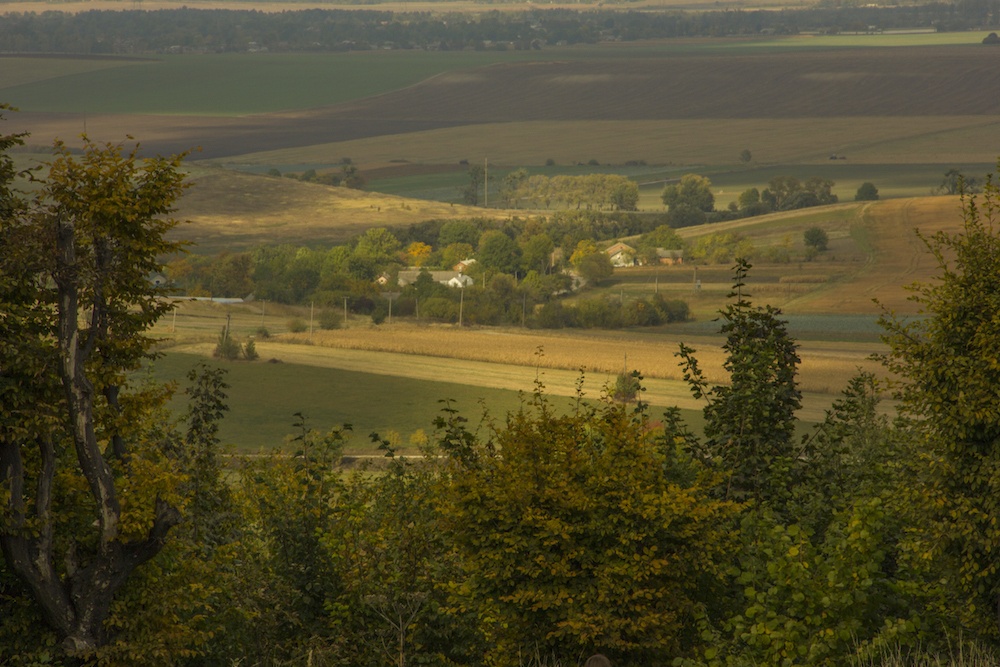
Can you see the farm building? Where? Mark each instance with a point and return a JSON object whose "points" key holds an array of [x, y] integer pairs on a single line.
{"points": [[449, 278], [670, 256], [621, 254]]}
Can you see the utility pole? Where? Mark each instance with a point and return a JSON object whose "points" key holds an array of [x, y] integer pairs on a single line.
{"points": [[461, 306], [486, 183]]}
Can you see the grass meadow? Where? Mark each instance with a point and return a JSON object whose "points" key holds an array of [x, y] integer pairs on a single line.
{"points": [[264, 397], [228, 84]]}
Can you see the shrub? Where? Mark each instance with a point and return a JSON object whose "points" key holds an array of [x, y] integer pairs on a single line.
{"points": [[867, 192], [626, 387], [250, 351], [297, 325], [815, 237], [227, 347], [329, 319]]}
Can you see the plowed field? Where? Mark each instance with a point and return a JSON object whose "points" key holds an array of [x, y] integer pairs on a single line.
{"points": [[601, 85]]}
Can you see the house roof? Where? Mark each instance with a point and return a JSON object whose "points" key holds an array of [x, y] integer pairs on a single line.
{"points": [[620, 248]]}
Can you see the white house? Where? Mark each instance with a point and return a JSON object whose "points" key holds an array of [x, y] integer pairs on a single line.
{"points": [[621, 254]]}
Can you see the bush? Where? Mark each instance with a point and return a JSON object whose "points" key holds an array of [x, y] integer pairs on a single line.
{"points": [[329, 319], [816, 238], [867, 192], [262, 332], [671, 310], [250, 351], [297, 325], [626, 387], [227, 347]]}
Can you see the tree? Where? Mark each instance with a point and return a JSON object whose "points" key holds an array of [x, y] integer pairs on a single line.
{"points": [[590, 262], [351, 177], [458, 231], [866, 192], [511, 187], [816, 238], [692, 190], [745, 155], [750, 422], [499, 252], [953, 182], [624, 195], [378, 245], [536, 253], [950, 391], [477, 176], [779, 190], [70, 424], [685, 215], [580, 531], [417, 253]]}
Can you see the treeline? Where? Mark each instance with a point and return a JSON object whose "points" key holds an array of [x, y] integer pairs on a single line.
{"points": [[193, 30], [518, 266], [598, 191], [690, 201]]}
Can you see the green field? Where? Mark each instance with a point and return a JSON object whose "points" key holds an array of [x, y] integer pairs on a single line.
{"points": [[238, 84], [220, 84], [264, 397]]}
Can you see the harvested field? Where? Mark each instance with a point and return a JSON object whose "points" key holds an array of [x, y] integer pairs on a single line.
{"points": [[826, 366]]}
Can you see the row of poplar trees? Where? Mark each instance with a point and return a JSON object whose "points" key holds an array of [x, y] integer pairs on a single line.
{"points": [[537, 537]]}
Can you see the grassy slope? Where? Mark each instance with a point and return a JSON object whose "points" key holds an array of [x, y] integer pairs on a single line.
{"points": [[234, 211]]}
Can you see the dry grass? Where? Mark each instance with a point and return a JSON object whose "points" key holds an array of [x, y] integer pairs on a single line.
{"points": [[898, 257], [232, 211], [826, 366]]}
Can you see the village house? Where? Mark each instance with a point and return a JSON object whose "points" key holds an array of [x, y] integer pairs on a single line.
{"points": [[449, 278], [670, 256], [621, 254]]}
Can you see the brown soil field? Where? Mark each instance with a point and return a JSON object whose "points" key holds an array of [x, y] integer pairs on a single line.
{"points": [[798, 86], [898, 82]]}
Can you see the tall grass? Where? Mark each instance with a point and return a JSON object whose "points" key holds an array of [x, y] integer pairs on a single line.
{"points": [[962, 655]]}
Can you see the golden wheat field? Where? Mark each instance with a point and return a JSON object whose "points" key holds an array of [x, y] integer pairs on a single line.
{"points": [[826, 365]]}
